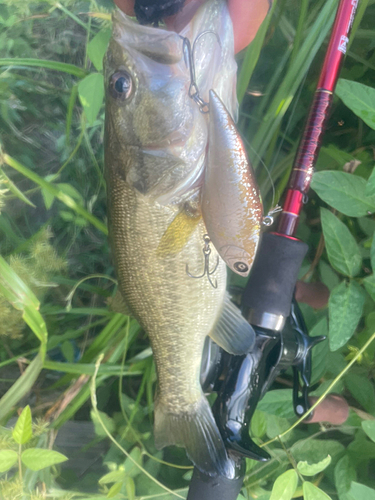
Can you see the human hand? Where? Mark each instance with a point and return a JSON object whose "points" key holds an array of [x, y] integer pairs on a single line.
{"points": [[247, 16]]}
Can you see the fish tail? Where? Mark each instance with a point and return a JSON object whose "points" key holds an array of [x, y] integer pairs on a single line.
{"points": [[197, 432]]}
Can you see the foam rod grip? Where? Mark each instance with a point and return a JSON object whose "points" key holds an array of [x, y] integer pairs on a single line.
{"points": [[274, 274]]}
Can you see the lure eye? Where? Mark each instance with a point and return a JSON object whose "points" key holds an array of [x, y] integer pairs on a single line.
{"points": [[120, 85]]}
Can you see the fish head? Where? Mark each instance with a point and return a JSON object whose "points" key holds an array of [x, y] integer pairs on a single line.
{"points": [[145, 85]]}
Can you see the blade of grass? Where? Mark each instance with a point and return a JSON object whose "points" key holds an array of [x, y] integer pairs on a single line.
{"points": [[293, 78], [72, 16], [23, 299], [252, 56], [300, 28], [80, 311], [88, 369], [14, 189], [69, 113], [66, 199], [83, 395], [44, 63], [21, 387]]}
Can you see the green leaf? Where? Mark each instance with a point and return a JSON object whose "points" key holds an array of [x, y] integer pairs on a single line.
{"points": [[312, 492], [307, 469], [342, 249], [7, 459], [369, 427], [361, 449], [130, 488], [369, 284], [370, 185], [359, 98], [22, 432], [361, 492], [67, 350], [372, 253], [114, 476], [107, 421], [91, 95], [278, 402], [114, 490], [98, 46], [328, 276], [316, 450], [37, 458], [362, 390], [285, 486], [131, 468], [258, 424], [48, 198], [345, 307], [344, 192], [276, 426], [344, 475], [367, 225]]}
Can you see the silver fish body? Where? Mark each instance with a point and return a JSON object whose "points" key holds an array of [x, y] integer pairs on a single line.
{"points": [[155, 143], [231, 204]]}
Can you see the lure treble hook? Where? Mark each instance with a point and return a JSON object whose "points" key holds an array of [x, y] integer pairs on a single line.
{"points": [[189, 59], [206, 270]]}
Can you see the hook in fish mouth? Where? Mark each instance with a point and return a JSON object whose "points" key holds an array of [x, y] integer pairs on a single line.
{"points": [[204, 106], [206, 270]]}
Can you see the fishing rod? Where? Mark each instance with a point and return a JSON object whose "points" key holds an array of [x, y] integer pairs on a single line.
{"points": [[267, 302]]}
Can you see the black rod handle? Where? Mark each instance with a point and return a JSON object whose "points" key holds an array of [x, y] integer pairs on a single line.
{"points": [[203, 487]]}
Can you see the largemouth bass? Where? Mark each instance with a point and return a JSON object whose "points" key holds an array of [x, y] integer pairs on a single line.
{"points": [[154, 155]]}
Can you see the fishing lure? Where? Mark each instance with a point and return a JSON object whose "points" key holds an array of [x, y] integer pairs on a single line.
{"points": [[231, 204]]}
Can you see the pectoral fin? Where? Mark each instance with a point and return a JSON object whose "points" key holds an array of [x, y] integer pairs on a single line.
{"points": [[177, 234], [232, 332]]}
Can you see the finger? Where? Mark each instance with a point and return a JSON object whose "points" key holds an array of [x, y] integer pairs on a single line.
{"points": [[315, 295], [247, 16], [333, 409], [126, 6]]}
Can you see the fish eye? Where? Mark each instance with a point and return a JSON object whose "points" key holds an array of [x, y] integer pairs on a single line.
{"points": [[120, 85]]}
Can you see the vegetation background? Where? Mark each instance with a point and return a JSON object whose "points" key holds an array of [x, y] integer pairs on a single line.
{"points": [[56, 276]]}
